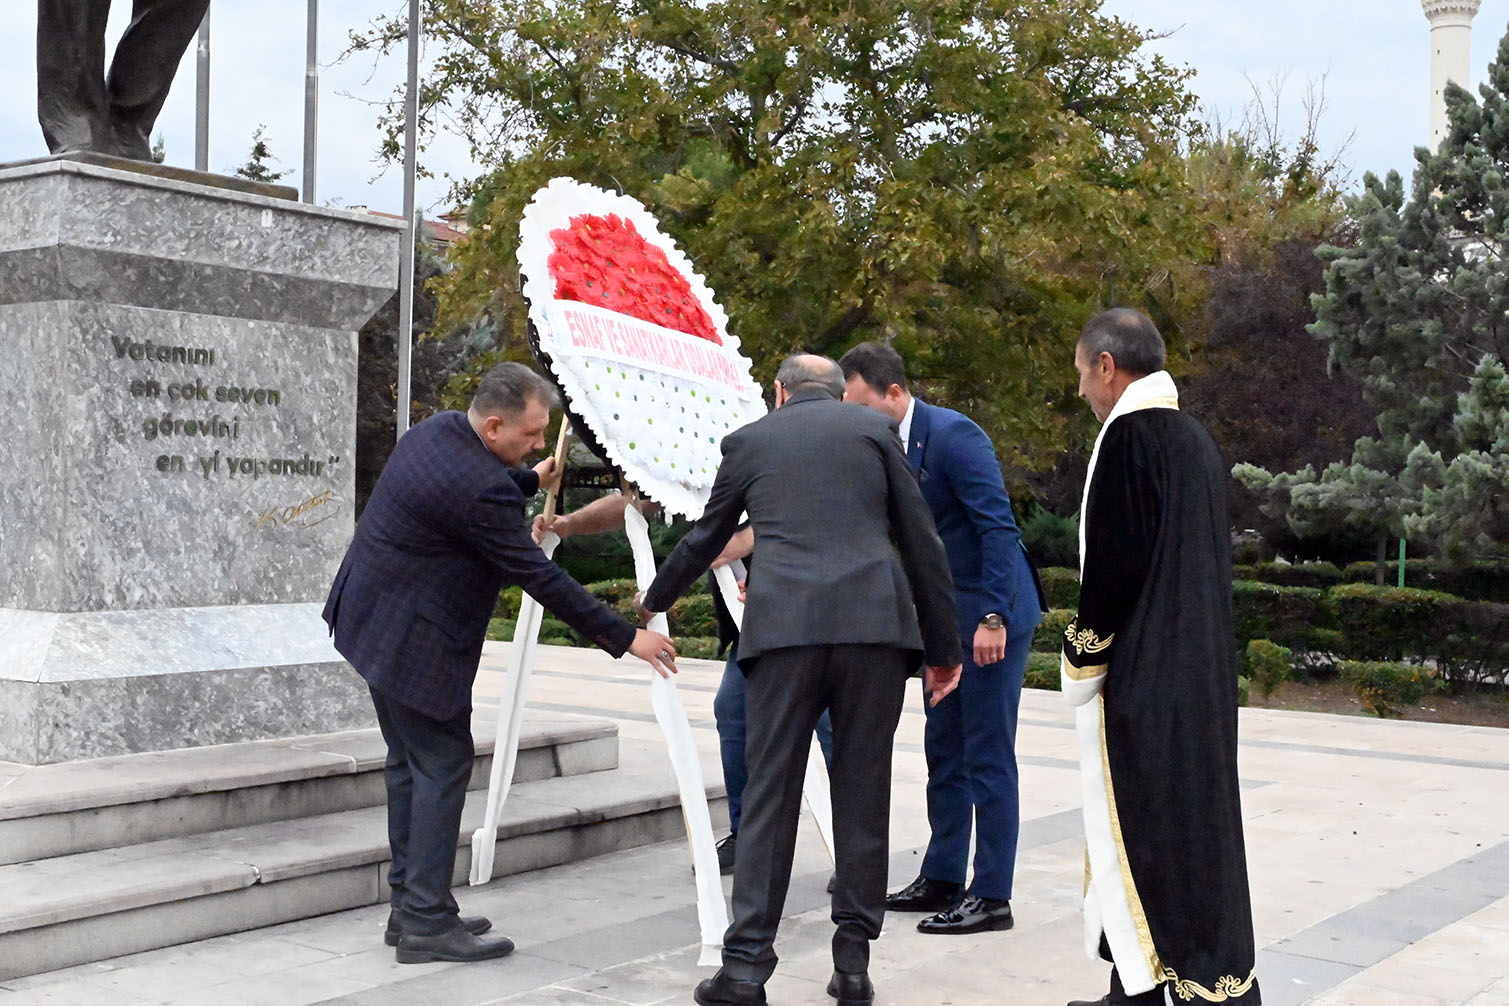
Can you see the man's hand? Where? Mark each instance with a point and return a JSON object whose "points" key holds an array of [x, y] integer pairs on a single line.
{"points": [[640, 611], [549, 473], [739, 546], [743, 591], [937, 682], [656, 650], [562, 524], [990, 645]]}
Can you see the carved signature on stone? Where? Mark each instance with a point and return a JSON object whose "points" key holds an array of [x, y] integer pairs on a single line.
{"points": [[315, 510]]}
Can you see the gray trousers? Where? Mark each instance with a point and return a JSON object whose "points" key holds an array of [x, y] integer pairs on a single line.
{"points": [[785, 692], [79, 106]]}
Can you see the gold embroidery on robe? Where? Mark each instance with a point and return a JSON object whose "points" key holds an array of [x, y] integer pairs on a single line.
{"points": [[1227, 987], [1085, 640]]}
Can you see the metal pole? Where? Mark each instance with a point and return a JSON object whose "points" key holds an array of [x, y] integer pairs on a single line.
{"points": [[311, 99], [202, 97], [406, 256]]}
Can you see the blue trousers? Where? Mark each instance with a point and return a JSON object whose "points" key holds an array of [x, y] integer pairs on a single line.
{"points": [[970, 742], [728, 712]]}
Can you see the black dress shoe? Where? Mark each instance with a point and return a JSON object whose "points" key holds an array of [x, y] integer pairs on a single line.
{"points": [[721, 990], [474, 924], [925, 895], [452, 945], [851, 989], [974, 915], [726, 850]]}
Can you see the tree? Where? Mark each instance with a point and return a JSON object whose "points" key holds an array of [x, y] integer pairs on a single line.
{"points": [[258, 163], [971, 181], [1417, 312]]}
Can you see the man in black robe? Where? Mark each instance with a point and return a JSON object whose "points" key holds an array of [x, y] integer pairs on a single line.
{"points": [[1150, 665]]}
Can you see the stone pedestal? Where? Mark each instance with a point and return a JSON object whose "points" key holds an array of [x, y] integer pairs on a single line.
{"points": [[177, 402]]}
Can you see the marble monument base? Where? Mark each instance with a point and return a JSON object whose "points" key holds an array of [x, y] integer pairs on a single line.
{"points": [[119, 682], [177, 440]]}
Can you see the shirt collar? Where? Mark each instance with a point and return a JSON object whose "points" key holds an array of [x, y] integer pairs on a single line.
{"points": [[906, 425]]}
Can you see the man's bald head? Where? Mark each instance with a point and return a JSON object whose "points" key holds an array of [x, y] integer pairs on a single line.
{"points": [[806, 371]]}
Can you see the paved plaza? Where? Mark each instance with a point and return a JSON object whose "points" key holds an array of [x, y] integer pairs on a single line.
{"points": [[1379, 859]]}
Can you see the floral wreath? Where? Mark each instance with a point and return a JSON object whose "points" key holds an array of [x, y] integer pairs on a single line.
{"points": [[635, 339]]}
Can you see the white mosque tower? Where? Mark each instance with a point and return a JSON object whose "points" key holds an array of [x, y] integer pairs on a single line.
{"points": [[1450, 54]]}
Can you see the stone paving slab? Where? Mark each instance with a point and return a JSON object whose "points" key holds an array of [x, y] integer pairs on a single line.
{"points": [[1378, 851]]}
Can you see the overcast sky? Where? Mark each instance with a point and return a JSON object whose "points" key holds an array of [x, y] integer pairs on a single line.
{"points": [[1372, 55]]}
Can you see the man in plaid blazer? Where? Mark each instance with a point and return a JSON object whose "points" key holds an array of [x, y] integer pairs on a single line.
{"points": [[443, 532]]}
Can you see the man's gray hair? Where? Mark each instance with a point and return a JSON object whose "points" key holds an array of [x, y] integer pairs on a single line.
{"points": [[508, 387], [1129, 336], [810, 370]]}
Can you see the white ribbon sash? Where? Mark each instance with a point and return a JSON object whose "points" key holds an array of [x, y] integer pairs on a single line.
{"points": [[712, 913]]}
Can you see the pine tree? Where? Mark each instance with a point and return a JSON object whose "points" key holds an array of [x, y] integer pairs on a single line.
{"points": [[1418, 310], [258, 163]]}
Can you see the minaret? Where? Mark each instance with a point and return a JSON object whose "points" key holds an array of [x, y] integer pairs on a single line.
{"points": [[1450, 55]]}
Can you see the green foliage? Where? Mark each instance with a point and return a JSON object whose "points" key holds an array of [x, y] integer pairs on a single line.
{"points": [[1288, 616], [1267, 664], [1385, 688], [1244, 690], [1475, 581], [697, 647], [1416, 311], [1386, 623], [969, 181], [693, 615], [1061, 585], [1051, 540], [1043, 671], [509, 599], [555, 632], [258, 163], [1283, 574], [501, 629], [1049, 637]]}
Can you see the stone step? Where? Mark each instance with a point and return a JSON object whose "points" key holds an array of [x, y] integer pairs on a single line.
{"points": [[92, 906], [105, 803]]}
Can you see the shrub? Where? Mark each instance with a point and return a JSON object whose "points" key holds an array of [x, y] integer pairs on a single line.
{"points": [[509, 599], [1388, 623], [1473, 581], [1267, 665], [693, 615], [1051, 540], [1049, 637], [1042, 671], [1061, 585], [1284, 574], [501, 628], [554, 632], [1385, 688], [697, 647], [1288, 616], [1244, 690]]}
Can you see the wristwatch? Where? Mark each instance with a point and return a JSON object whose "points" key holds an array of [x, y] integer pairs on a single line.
{"points": [[993, 620]]}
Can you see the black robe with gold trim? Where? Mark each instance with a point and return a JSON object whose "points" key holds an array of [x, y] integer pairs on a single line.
{"points": [[1150, 661]]}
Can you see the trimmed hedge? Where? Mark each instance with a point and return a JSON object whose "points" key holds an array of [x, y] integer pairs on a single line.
{"points": [[1049, 637], [1283, 574], [1288, 616], [1061, 585], [1474, 581], [1042, 671]]}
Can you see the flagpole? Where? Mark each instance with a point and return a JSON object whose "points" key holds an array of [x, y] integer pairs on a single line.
{"points": [[311, 99], [202, 96], [406, 256]]}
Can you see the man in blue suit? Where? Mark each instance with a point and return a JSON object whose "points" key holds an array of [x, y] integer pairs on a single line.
{"points": [[970, 739], [443, 532]]}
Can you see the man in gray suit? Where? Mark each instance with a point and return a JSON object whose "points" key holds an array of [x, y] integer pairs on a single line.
{"points": [[831, 622]]}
